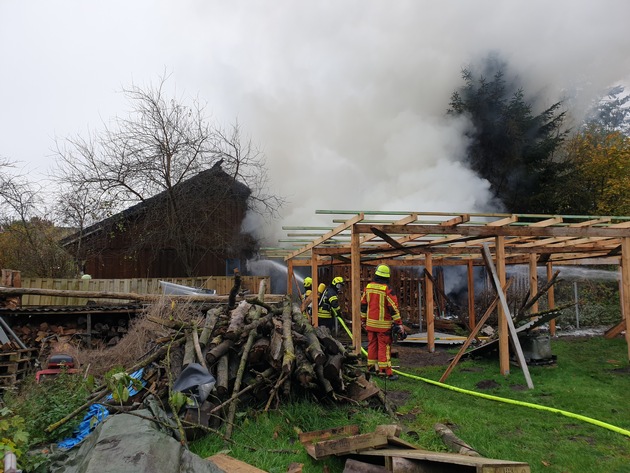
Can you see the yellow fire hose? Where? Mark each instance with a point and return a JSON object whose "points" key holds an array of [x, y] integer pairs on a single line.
{"points": [[572, 415]]}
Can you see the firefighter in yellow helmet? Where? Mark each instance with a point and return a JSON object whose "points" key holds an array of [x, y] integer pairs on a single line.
{"points": [[307, 297], [308, 287], [379, 312], [328, 307]]}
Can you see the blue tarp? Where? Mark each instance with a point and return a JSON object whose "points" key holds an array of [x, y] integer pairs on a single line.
{"points": [[98, 412], [95, 415]]}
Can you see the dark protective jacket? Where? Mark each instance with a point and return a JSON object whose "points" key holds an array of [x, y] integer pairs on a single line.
{"points": [[328, 304]]}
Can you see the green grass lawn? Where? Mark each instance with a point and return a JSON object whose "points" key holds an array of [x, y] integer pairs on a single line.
{"points": [[590, 378]]}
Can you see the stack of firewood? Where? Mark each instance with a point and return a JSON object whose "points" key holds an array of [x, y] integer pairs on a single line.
{"points": [[260, 355]]}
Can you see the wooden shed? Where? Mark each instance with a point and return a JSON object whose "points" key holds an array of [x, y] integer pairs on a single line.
{"points": [[194, 229], [431, 239]]}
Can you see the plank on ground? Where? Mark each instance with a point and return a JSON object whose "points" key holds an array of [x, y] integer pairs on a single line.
{"points": [[227, 463], [479, 464], [348, 445]]}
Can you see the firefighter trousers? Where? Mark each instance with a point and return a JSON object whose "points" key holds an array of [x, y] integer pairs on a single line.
{"points": [[379, 351]]}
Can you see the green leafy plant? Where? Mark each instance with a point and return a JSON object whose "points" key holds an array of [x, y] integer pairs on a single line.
{"points": [[119, 383], [41, 404], [13, 434], [178, 400]]}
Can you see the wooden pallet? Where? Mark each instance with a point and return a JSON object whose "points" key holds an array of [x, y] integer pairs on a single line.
{"points": [[18, 355], [14, 367], [9, 380]]}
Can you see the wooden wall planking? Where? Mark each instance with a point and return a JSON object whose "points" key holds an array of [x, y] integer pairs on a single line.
{"points": [[221, 284]]}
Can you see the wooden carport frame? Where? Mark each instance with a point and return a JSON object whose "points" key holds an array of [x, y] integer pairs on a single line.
{"points": [[434, 238]]}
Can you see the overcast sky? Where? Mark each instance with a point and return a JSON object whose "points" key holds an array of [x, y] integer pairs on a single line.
{"points": [[346, 98]]}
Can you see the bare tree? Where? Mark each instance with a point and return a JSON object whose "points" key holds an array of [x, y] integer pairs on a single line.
{"points": [[29, 241], [148, 154]]}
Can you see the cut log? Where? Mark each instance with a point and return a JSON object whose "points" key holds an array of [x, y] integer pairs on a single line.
{"points": [[355, 466], [124, 295], [333, 371], [189, 350], [218, 351], [304, 371], [212, 316], [222, 377], [258, 351], [237, 320], [288, 358], [454, 443], [314, 349]]}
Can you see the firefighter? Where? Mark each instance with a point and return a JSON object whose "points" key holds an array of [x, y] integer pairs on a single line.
{"points": [[379, 315], [328, 307], [307, 298], [308, 287]]}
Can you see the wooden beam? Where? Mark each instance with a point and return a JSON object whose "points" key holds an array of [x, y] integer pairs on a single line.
{"points": [[355, 282], [315, 277], [625, 278], [490, 231], [615, 330], [504, 348], [326, 236], [428, 304], [533, 279], [471, 295], [514, 336], [132, 296], [291, 278], [551, 298]]}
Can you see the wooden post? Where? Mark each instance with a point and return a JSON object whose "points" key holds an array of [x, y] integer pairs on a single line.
{"points": [[428, 303], [290, 278], [314, 274], [508, 318], [471, 295], [504, 348], [355, 288], [11, 278], [551, 299], [625, 293], [533, 280]]}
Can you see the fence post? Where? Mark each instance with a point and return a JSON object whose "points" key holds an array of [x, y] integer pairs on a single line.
{"points": [[577, 305]]}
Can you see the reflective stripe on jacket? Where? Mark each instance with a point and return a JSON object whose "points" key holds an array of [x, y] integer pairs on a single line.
{"points": [[379, 308], [328, 304]]}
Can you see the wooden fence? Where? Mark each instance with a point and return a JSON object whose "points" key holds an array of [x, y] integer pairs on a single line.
{"points": [[221, 284]]}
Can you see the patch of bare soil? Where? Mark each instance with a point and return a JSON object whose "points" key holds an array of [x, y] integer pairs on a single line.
{"points": [[487, 384], [415, 356]]}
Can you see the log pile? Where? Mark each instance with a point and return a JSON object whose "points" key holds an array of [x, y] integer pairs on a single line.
{"points": [[260, 355], [257, 354]]}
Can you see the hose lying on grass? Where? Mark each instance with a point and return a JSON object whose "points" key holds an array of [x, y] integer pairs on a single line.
{"points": [[531, 405]]}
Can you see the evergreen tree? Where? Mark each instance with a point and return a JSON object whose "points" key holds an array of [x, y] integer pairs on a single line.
{"points": [[511, 146]]}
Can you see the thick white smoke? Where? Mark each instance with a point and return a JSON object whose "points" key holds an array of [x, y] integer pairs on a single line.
{"points": [[347, 99]]}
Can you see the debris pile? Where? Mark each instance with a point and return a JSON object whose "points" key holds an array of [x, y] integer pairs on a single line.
{"points": [[250, 353]]}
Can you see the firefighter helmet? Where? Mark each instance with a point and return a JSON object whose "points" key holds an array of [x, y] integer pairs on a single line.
{"points": [[308, 282], [382, 270], [337, 280]]}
